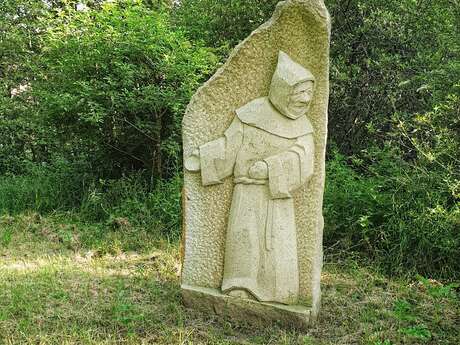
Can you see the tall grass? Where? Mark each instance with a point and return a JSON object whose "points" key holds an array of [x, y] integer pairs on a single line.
{"points": [[43, 189], [128, 199]]}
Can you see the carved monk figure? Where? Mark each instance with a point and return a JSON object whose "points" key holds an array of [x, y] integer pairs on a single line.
{"points": [[268, 148]]}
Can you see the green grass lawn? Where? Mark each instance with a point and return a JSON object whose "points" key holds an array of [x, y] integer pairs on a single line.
{"points": [[65, 282]]}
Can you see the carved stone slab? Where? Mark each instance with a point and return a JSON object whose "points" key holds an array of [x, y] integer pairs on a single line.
{"points": [[248, 311], [230, 110]]}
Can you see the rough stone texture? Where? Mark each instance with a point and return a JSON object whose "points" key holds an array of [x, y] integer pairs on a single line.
{"points": [[249, 311], [301, 28]]}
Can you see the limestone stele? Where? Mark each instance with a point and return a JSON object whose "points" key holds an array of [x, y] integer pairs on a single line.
{"points": [[254, 146]]}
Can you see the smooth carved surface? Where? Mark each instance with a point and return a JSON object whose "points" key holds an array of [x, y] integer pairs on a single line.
{"points": [[253, 215], [269, 150]]}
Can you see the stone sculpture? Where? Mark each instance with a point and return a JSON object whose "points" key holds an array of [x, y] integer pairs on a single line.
{"points": [[254, 147], [269, 149]]}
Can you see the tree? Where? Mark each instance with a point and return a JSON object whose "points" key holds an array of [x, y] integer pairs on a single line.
{"points": [[112, 83]]}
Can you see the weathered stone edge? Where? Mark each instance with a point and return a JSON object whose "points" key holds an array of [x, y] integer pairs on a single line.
{"points": [[243, 310]]}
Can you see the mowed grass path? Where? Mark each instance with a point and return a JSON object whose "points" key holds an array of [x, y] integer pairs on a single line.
{"points": [[65, 282]]}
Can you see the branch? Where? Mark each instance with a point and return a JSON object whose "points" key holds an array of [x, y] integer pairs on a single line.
{"points": [[140, 130], [126, 153]]}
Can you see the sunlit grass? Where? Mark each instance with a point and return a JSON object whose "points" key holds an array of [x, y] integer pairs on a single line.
{"points": [[65, 289]]}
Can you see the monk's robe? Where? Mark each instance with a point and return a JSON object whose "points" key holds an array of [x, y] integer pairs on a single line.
{"points": [[261, 243]]}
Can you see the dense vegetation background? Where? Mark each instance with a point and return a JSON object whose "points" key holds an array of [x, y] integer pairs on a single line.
{"points": [[92, 95]]}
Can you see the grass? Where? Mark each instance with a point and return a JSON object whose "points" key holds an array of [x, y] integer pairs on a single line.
{"points": [[66, 282]]}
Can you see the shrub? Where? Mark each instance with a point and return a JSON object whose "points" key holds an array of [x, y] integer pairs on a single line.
{"points": [[131, 198], [44, 188], [221, 23], [404, 217], [110, 86]]}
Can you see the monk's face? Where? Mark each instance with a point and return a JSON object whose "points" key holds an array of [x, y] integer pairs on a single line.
{"points": [[299, 100]]}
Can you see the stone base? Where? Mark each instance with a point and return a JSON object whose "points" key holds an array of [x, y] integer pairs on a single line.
{"points": [[246, 310]]}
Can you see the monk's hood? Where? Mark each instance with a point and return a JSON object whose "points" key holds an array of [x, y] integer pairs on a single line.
{"points": [[260, 113]]}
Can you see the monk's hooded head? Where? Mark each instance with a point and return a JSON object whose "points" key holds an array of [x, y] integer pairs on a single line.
{"points": [[292, 87]]}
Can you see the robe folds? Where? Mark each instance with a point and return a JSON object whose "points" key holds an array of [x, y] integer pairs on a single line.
{"points": [[261, 242]]}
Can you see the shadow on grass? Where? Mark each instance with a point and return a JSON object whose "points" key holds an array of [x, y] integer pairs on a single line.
{"points": [[54, 291]]}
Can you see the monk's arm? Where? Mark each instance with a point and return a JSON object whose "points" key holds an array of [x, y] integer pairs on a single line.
{"points": [[216, 159], [289, 170]]}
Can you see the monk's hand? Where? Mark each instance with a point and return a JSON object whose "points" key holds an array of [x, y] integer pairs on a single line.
{"points": [[192, 162], [259, 171]]}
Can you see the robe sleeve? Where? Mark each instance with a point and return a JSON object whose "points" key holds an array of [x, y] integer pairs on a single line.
{"points": [[290, 169], [217, 158]]}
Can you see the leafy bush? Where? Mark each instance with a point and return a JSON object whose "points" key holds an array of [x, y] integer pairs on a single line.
{"points": [[115, 83], [221, 23], [401, 216], [21, 24], [44, 188], [131, 199], [110, 86]]}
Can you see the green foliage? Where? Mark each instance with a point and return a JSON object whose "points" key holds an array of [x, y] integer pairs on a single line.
{"points": [[114, 84], [5, 237], [385, 342], [107, 86], [396, 214], [44, 188], [21, 24], [390, 61], [409, 312], [222, 23], [388, 58], [402, 310], [420, 332], [439, 290], [130, 200]]}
